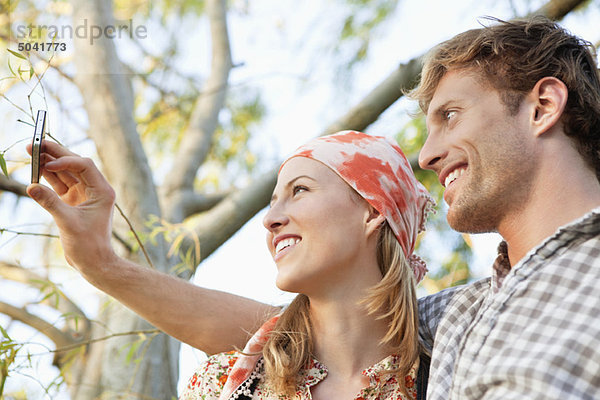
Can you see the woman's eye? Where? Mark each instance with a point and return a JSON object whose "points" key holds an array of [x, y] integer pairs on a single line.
{"points": [[298, 188]]}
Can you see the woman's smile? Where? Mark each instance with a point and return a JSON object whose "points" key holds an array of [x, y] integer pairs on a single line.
{"points": [[283, 244]]}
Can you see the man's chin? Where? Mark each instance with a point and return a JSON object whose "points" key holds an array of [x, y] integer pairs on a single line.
{"points": [[468, 221]]}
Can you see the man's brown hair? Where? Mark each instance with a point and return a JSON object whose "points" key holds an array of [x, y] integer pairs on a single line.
{"points": [[512, 56]]}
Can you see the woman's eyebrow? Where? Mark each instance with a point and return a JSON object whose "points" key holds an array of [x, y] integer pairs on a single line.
{"points": [[290, 183]]}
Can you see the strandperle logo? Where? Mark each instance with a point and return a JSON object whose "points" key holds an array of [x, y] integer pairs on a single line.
{"points": [[85, 30]]}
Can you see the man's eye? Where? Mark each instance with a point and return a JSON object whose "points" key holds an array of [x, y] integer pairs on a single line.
{"points": [[449, 114], [299, 188]]}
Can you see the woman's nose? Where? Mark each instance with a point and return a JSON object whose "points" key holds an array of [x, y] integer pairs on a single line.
{"points": [[275, 218]]}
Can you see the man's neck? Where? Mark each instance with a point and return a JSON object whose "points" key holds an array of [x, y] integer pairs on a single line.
{"points": [[563, 198]]}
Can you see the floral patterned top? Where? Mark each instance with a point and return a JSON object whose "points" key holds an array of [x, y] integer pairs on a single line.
{"points": [[209, 379]]}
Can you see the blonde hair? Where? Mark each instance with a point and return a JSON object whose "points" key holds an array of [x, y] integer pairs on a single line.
{"points": [[289, 347]]}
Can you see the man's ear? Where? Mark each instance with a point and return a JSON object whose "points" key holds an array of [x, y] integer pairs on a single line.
{"points": [[373, 221], [550, 98]]}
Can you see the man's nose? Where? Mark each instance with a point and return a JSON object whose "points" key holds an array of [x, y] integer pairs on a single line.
{"points": [[432, 152]]}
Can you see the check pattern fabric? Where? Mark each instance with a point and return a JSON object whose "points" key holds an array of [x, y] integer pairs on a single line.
{"points": [[529, 332]]}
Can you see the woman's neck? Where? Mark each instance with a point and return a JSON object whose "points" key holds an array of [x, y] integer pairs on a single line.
{"points": [[346, 338]]}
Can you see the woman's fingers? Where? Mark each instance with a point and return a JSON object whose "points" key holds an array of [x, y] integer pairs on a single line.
{"points": [[52, 148], [71, 176], [81, 169], [59, 186], [64, 177], [49, 201], [60, 181]]}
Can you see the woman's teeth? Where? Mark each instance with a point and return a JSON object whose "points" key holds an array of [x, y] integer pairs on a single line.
{"points": [[286, 243]]}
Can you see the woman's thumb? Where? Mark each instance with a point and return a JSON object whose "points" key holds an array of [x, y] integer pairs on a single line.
{"points": [[46, 198]]}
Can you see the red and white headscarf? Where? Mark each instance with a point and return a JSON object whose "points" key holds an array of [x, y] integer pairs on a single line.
{"points": [[377, 169]]}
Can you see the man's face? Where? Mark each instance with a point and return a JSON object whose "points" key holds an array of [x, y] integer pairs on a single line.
{"points": [[482, 154]]}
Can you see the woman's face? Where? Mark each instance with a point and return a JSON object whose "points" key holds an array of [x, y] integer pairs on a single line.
{"points": [[320, 232]]}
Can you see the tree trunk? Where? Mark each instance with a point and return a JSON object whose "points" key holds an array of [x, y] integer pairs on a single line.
{"points": [[110, 369]]}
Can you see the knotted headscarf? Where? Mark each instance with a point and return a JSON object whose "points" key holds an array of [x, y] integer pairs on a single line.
{"points": [[377, 169]]}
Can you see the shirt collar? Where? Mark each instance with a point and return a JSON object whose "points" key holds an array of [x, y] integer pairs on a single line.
{"points": [[501, 267], [589, 224], [378, 374], [314, 374]]}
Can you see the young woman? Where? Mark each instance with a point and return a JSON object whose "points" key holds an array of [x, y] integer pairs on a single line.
{"points": [[342, 226]]}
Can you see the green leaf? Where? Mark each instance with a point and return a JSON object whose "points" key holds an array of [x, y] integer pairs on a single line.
{"points": [[4, 333], [3, 164], [133, 350], [14, 53], [10, 68]]}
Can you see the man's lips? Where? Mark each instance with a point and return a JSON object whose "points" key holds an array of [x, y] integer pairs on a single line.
{"points": [[452, 173]]}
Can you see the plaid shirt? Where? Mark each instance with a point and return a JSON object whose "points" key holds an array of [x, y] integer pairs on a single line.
{"points": [[530, 332]]}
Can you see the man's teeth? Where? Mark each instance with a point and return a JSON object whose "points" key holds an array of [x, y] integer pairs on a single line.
{"points": [[453, 176], [286, 243]]}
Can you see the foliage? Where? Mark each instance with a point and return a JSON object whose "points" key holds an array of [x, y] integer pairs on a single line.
{"points": [[174, 235], [3, 164], [231, 159], [363, 17], [8, 353]]}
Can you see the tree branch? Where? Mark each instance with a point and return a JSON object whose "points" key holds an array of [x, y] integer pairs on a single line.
{"points": [[10, 185], [195, 203], [65, 306], [405, 77], [58, 337], [213, 227], [197, 140], [557, 9]]}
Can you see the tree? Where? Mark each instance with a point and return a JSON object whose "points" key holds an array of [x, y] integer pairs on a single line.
{"points": [[182, 221]]}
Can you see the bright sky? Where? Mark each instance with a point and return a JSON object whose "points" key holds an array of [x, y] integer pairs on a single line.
{"points": [[275, 41]]}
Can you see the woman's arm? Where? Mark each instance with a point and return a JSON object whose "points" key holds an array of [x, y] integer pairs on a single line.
{"points": [[82, 206], [210, 320]]}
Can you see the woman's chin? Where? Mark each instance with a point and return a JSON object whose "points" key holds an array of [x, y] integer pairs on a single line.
{"points": [[288, 285]]}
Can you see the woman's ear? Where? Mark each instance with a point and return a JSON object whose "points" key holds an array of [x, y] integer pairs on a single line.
{"points": [[373, 221], [550, 98]]}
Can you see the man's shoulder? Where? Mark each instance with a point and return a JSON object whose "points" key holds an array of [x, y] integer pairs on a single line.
{"points": [[461, 294], [446, 303], [577, 237]]}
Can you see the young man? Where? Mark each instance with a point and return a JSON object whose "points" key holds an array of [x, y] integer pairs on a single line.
{"points": [[513, 113]]}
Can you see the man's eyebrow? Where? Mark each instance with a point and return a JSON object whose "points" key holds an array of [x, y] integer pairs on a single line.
{"points": [[441, 108], [290, 183]]}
